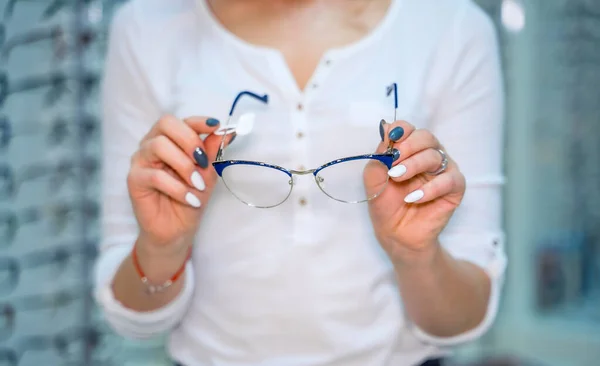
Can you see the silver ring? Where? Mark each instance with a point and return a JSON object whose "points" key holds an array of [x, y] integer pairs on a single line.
{"points": [[443, 165]]}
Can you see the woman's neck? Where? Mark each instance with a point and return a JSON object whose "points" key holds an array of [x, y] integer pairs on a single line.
{"points": [[302, 30]]}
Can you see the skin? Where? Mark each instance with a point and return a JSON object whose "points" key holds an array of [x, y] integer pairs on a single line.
{"points": [[443, 296]]}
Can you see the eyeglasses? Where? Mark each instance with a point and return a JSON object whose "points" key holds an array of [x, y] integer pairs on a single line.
{"points": [[57, 216], [61, 42], [57, 131], [263, 185], [51, 10], [59, 259], [30, 37], [41, 309], [58, 82], [57, 172], [68, 345]]}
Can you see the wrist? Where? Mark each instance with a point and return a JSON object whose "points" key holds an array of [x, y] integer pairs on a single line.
{"points": [[151, 247], [160, 263], [425, 257]]}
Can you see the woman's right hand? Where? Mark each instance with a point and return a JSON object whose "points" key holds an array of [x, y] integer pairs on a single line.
{"points": [[171, 179]]}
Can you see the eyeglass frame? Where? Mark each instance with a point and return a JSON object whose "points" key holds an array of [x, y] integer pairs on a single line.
{"points": [[59, 257], [60, 343], [37, 302], [219, 164]]}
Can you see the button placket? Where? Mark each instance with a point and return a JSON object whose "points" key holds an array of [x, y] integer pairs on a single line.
{"points": [[303, 184], [303, 215], [301, 149], [316, 81]]}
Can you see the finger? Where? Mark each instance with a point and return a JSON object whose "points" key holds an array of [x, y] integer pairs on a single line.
{"points": [[161, 181], [442, 185], [162, 149], [185, 135], [397, 131], [172, 173], [164, 123], [207, 153], [425, 161], [202, 125], [419, 140], [391, 133]]}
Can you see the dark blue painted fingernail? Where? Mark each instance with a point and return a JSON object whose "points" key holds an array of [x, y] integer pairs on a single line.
{"points": [[232, 138], [381, 129], [396, 153], [396, 133], [201, 158], [212, 122]]}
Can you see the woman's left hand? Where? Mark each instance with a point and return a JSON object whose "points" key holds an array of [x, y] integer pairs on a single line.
{"points": [[409, 215]]}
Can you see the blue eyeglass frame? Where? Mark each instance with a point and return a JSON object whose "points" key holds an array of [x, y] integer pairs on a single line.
{"points": [[220, 165]]}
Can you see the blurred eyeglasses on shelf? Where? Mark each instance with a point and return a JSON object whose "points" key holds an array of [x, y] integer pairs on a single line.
{"points": [[62, 42], [67, 346], [58, 84], [56, 215], [12, 268], [54, 7], [58, 173], [57, 131], [264, 185], [42, 307]]}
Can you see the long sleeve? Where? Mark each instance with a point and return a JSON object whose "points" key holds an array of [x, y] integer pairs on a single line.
{"points": [[129, 110], [469, 124]]}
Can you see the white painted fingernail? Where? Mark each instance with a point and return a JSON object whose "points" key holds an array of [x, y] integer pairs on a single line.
{"points": [[397, 171], [192, 200], [414, 196], [198, 182]]}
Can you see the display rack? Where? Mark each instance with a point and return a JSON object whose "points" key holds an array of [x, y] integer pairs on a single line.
{"points": [[549, 312], [51, 55]]}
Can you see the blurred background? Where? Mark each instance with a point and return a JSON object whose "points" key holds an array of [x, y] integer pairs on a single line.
{"points": [[51, 56]]}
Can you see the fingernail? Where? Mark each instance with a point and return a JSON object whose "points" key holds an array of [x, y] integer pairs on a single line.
{"points": [[396, 133], [414, 196], [396, 153], [233, 138], [192, 200], [381, 129], [201, 158], [397, 171], [212, 122], [198, 182]]}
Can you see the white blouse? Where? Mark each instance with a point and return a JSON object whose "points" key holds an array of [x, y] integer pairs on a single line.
{"points": [[305, 283]]}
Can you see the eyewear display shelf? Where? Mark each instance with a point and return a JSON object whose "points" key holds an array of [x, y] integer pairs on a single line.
{"points": [[51, 55], [550, 313]]}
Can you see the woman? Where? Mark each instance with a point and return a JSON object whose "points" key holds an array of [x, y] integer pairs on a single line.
{"points": [[397, 279]]}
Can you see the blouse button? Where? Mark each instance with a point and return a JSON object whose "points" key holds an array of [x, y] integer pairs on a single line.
{"points": [[299, 134], [302, 201], [300, 107]]}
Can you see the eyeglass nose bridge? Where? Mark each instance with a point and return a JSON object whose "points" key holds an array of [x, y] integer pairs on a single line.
{"points": [[302, 172]]}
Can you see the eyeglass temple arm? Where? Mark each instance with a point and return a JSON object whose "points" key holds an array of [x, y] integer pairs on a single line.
{"points": [[390, 89], [393, 88], [264, 98]]}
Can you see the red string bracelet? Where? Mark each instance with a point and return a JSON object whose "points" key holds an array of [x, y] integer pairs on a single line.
{"points": [[151, 288]]}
